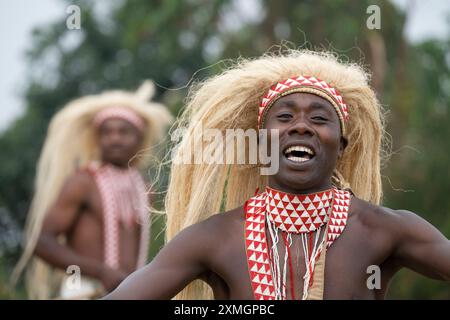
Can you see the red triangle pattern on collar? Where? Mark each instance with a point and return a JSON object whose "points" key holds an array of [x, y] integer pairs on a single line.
{"points": [[298, 213], [256, 242]]}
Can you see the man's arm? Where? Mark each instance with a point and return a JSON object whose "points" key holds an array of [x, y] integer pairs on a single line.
{"points": [[59, 220], [181, 261], [420, 246]]}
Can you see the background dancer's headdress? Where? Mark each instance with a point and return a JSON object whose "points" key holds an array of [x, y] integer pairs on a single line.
{"points": [[72, 143], [119, 113], [232, 99]]}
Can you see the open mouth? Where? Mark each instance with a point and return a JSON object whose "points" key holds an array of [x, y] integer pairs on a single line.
{"points": [[299, 153], [116, 149]]}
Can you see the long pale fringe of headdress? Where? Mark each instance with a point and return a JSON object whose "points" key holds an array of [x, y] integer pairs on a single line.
{"points": [[70, 144], [230, 101]]}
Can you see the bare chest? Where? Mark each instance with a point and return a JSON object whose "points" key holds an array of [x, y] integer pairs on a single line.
{"points": [[350, 266]]}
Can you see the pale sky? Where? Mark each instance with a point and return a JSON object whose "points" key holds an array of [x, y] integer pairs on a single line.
{"points": [[18, 17]]}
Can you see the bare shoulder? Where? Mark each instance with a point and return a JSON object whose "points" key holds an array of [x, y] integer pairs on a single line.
{"points": [[383, 219], [80, 179], [227, 221], [77, 186], [368, 213], [218, 227]]}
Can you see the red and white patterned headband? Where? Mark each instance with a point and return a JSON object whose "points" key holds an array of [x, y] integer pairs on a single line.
{"points": [[119, 113], [304, 84]]}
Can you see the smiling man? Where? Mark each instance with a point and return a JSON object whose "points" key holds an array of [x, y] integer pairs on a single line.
{"points": [[316, 228], [89, 216]]}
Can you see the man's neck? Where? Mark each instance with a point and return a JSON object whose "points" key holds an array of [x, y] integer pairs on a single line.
{"points": [[120, 166], [299, 190]]}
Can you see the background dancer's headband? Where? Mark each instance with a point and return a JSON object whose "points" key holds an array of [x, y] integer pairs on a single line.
{"points": [[119, 113], [308, 85]]}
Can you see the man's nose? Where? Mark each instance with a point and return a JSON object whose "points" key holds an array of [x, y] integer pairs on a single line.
{"points": [[115, 137], [300, 126]]}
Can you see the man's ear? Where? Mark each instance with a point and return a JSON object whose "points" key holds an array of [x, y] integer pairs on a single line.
{"points": [[342, 145]]}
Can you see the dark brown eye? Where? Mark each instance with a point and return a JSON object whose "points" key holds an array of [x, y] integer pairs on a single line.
{"points": [[284, 116], [320, 118]]}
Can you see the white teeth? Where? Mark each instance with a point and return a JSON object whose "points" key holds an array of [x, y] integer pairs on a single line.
{"points": [[299, 148], [297, 159]]}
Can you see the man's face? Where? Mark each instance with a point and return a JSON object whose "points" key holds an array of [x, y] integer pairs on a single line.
{"points": [[119, 141], [310, 142]]}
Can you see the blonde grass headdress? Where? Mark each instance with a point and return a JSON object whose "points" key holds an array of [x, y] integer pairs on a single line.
{"points": [[71, 143], [308, 85], [231, 100]]}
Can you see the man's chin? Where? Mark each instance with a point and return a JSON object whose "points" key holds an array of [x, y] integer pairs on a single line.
{"points": [[118, 162], [298, 177], [295, 181], [300, 186]]}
